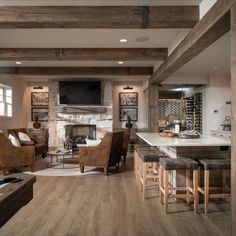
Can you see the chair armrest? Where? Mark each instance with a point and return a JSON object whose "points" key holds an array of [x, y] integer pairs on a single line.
{"points": [[27, 143], [24, 155], [93, 156]]}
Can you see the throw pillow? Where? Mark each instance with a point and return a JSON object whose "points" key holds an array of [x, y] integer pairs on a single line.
{"points": [[14, 140], [24, 137]]}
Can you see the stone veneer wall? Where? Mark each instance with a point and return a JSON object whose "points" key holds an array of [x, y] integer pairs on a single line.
{"points": [[58, 118]]}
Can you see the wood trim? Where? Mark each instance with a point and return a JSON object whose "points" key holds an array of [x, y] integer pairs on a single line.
{"points": [[84, 54], [112, 17], [211, 27], [74, 71]]}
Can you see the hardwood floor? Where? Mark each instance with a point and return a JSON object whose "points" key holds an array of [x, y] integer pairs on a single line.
{"points": [[109, 206]]}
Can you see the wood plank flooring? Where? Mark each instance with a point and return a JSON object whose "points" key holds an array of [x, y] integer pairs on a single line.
{"points": [[109, 206]]}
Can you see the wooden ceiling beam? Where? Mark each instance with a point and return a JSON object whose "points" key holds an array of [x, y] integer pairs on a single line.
{"points": [[77, 71], [211, 27], [84, 54], [111, 17]]}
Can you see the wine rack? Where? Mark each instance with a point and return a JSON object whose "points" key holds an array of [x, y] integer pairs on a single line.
{"points": [[194, 112]]}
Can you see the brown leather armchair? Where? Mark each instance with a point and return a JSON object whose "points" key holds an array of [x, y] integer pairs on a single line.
{"points": [[40, 148], [125, 144], [106, 154], [11, 156]]}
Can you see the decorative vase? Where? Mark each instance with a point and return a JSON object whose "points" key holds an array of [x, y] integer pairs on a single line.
{"points": [[36, 124], [129, 125]]}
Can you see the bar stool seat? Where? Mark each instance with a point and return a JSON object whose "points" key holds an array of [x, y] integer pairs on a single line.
{"points": [[215, 164], [178, 164], [166, 166], [223, 165], [150, 156]]}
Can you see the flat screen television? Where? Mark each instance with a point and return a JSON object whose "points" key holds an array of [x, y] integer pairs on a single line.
{"points": [[80, 92]]}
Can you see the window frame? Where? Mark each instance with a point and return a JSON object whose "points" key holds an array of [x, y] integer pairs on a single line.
{"points": [[6, 104]]}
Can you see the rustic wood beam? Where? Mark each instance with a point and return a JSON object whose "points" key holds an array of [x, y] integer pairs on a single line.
{"points": [[233, 118], [73, 71], [84, 54], [112, 17], [211, 27]]}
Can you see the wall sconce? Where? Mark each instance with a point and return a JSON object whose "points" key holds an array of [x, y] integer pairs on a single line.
{"points": [[38, 87], [128, 87]]}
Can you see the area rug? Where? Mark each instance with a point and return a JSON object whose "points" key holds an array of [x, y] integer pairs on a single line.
{"points": [[44, 167]]}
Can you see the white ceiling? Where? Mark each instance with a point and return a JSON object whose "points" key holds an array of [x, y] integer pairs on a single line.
{"points": [[75, 38], [215, 60]]}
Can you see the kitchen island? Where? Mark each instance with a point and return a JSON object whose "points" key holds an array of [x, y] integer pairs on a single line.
{"points": [[202, 148]]}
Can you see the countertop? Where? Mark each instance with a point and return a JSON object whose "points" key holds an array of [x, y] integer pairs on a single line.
{"points": [[154, 139]]}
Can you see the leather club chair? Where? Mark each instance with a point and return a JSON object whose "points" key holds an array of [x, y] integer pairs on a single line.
{"points": [[125, 145], [107, 153], [12, 157], [40, 148]]}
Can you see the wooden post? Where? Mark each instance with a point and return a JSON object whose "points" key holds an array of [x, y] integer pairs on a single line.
{"points": [[153, 108], [233, 122]]}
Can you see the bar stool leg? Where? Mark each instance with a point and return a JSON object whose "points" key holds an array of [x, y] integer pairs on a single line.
{"points": [[195, 190], [160, 183], [206, 189], [187, 182], [224, 180], [144, 178], [166, 190]]}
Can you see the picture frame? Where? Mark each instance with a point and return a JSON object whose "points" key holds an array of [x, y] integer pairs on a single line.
{"points": [[39, 99], [131, 111], [42, 113], [128, 99]]}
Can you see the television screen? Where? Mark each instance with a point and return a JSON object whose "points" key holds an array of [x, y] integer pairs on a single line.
{"points": [[80, 92]]}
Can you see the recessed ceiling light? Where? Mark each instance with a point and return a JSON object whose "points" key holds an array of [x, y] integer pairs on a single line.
{"points": [[142, 39], [18, 62], [120, 62], [123, 40]]}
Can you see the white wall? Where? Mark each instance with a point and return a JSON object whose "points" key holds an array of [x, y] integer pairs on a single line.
{"points": [[217, 93], [137, 87], [19, 117]]}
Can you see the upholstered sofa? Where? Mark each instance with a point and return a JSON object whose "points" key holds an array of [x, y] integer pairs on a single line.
{"points": [[107, 153], [12, 157], [40, 147]]}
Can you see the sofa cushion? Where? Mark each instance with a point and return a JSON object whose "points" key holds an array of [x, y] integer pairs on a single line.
{"points": [[14, 141], [24, 137]]}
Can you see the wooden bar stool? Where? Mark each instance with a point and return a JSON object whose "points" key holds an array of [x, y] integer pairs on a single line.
{"points": [[166, 166], [214, 164], [149, 168], [137, 148]]}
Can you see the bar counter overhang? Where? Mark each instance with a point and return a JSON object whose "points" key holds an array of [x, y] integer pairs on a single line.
{"points": [[203, 147]]}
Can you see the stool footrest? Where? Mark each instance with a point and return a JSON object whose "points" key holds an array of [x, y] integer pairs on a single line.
{"points": [[219, 195]]}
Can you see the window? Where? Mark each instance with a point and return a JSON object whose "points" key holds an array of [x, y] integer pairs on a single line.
{"points": [[5, 101]]}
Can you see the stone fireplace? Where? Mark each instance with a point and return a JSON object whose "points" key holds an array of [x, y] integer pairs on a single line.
{"points": [[60, 116]]}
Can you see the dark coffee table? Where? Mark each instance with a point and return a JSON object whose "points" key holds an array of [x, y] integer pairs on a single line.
{"points": [[13, 196]]}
